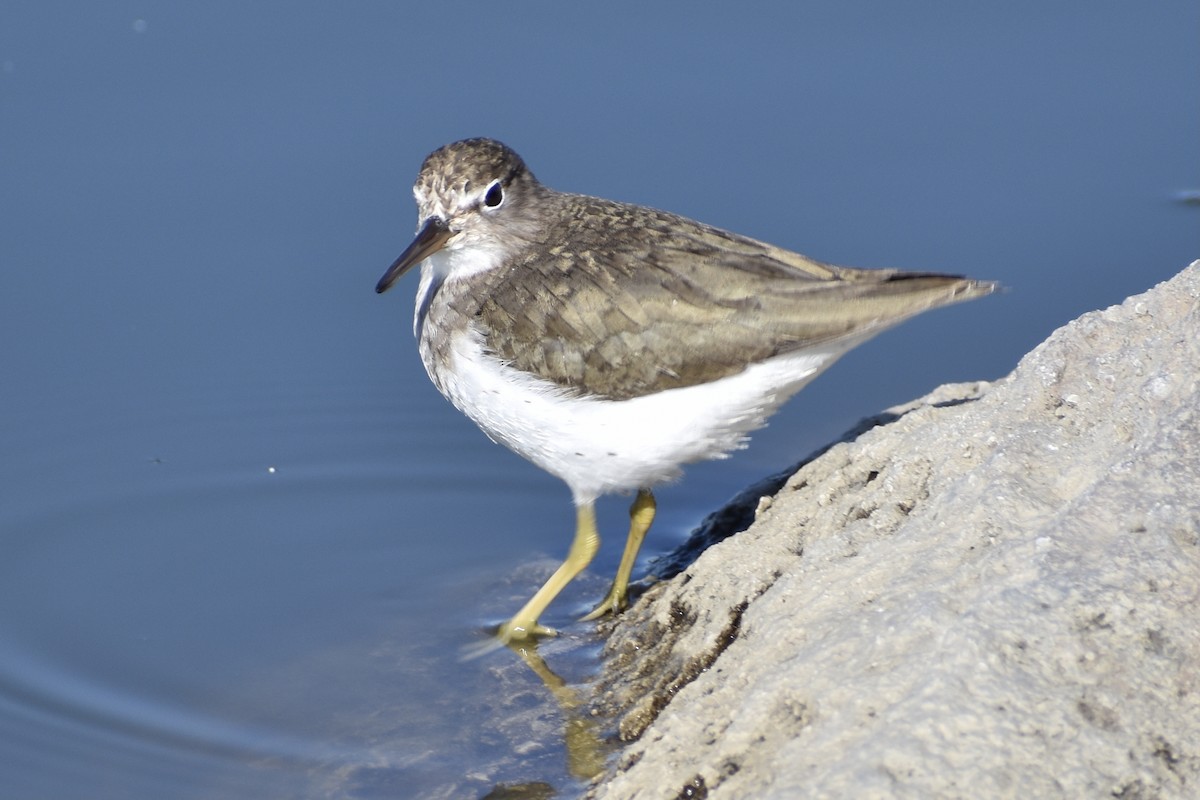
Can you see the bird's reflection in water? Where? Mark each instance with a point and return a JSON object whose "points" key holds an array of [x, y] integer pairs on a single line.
{"points": [[586, 747]]}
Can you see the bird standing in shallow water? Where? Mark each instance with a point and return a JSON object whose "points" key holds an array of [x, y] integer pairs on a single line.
{"points": [[611, 344]]}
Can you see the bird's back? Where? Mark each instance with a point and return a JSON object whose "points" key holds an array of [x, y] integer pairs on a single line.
{"points": [[619, 301]]}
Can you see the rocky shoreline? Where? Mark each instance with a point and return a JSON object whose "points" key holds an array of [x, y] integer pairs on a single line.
{"points": [[990, 591]]}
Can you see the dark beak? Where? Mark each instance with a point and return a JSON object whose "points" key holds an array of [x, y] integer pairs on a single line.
{"points": [[430, 239]]}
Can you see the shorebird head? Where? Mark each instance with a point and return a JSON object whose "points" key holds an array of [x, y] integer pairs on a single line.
{"points": [[474, 197]]}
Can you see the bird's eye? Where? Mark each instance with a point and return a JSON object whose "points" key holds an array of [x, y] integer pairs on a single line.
{"points": [[494, 196]]}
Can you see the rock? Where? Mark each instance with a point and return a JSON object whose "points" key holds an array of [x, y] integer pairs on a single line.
{"points": [[994, 591]]}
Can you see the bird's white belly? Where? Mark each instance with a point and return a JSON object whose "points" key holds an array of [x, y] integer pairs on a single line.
{"points": [[599, 446]]}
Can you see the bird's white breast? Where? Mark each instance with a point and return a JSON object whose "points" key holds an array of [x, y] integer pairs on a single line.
{"points": [[599, 446]]}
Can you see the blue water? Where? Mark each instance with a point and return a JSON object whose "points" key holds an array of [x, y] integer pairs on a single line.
{"points": [[243, 541]]}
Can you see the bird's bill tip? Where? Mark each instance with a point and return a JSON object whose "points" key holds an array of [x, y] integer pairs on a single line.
{"points": [[431, 238]]}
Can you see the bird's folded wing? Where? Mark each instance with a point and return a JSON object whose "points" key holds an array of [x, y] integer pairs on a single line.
{"points": [[673, 310]]}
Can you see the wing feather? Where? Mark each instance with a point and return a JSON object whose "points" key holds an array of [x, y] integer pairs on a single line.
{"points": [[620, 302]]}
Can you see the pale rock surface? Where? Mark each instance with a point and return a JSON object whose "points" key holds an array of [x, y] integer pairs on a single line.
{"points": [[993, 593]]}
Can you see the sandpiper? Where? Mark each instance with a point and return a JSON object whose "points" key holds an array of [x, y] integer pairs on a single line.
{"points": [[610, 344]]}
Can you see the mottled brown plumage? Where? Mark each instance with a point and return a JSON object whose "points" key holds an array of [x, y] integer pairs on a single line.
{"points": [[618, 301], [651, 301]]}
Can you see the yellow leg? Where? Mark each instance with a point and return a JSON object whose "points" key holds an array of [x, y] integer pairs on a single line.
{"points": [[641, 514], [524, 623]]}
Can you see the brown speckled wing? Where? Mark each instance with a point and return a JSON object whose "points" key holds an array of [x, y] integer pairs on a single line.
{"points": [[641, 301]]}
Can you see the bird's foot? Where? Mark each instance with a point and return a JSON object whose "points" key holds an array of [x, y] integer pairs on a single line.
{"points": [[514, 633], [522, 630], [613, 603]]}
